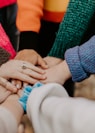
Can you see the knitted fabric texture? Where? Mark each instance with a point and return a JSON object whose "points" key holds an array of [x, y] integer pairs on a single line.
{"points": [[73, 26], [5, 43], [81, 60], [4, 56], [26, 92]]}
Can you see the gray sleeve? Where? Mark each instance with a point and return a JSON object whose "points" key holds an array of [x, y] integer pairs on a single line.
{"points": [[8, 123]]}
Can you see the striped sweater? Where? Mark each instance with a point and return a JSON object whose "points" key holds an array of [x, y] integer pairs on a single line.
{"points": [[30, 13]]}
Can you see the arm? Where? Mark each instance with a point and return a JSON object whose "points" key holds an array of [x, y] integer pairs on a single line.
{"points": [[44, 111], [73, 26], [79, 64], [28, 22], [52, 106], [57, 74], [11, 113], [21, 70], [81, 60]]}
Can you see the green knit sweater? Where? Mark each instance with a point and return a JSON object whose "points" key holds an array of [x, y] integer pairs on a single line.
{"points": [[73, 26]]}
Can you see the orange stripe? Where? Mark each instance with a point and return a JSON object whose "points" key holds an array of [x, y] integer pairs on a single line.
{"points": [[53, 16]]}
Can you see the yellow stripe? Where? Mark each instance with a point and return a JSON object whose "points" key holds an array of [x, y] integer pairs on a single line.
{"points": [[56, 5]]}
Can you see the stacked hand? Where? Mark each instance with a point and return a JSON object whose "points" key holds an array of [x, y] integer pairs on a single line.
{"points": [[20, 70]]}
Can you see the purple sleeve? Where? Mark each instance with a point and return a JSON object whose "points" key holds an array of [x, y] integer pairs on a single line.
{"points": [[81, 60]]}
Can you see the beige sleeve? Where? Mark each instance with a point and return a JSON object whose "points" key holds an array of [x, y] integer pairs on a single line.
{"points": [[41, 113], [8, 123], [51, 111]]}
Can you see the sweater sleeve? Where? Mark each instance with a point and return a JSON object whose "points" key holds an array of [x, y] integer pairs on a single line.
{"points": [[44, 115], [8, 123], [81, 60], [73, 26], [29, 15]]}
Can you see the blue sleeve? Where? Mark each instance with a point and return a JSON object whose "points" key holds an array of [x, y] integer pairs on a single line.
{"points": [[81, 60]]}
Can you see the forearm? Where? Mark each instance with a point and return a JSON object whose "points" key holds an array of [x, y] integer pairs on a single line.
{"points": [[64, 71], [43, 114], [13, 106], [8, 123], [73, 26], [10, 115]]}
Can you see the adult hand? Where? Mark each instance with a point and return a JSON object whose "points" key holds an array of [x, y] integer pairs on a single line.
{"points": [[58, 73], [6, 85], [52, 61], [21, 70], [32, 57], [4, 93]]}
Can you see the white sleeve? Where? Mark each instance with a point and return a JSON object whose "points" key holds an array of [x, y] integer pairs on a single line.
{"points": [[51, 110], [42, 110], [8, 123]]}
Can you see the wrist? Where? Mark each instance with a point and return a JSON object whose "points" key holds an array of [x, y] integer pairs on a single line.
{"points": [[28, 39], [67, 73], [14, 107]]}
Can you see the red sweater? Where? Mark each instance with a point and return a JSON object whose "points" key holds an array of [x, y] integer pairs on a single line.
{"points": [[4, 3]]}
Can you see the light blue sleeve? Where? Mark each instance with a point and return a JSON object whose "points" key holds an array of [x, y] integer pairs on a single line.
{"points": [[26, 92]]}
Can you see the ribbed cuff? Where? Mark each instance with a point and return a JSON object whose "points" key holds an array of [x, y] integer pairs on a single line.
{"points": [[74, 63], [28, 40]]}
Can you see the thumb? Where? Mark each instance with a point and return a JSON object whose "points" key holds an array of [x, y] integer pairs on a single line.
{"points": [[4, 95], [42, 63], [7, 85]]}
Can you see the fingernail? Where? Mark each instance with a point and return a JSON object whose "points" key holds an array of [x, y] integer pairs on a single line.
{"points": [[14, 89], [18, 86], [44, 77]]}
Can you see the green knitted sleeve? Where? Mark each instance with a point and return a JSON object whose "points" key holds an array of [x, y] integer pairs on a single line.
{"points": [[73, 26]]}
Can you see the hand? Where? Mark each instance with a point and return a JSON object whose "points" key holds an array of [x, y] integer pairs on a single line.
{"points": [[19, 84], [6, 85], [32, 57], [51, 61], [4, 93], [58, 73], [21, 70]]}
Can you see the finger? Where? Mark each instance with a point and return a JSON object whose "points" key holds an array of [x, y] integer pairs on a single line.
{"points": [[21, 128], [26, 78], [42, 63], [17, 83], [9, 86], [27, 65], [4, 94], [20, 92], [33, 74], [44, 81], [24, 84]]}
